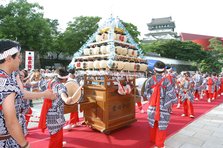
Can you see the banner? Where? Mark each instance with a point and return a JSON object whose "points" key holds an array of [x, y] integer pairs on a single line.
{"points": [[29, 60]]}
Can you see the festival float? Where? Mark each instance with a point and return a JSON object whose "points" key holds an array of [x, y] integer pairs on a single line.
{"points": [[109, 62]]}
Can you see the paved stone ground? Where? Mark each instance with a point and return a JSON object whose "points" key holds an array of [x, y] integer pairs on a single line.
{"points": [[205, 132]]}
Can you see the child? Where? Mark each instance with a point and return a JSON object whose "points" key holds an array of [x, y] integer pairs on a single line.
{"points": [[187, 96], [52, 114]]}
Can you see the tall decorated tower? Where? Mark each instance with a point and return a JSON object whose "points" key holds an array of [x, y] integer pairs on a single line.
{"points": [[110, 61]]}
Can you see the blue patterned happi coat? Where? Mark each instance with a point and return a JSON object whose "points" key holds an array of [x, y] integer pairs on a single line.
{"points": [[8, 85], [167, 98], [55, 115]]}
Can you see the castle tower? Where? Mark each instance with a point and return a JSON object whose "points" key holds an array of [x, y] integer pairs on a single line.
{"points": [[159, 29]]}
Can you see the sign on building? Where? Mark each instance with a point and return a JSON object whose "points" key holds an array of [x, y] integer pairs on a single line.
{"points": [[29, 60]]}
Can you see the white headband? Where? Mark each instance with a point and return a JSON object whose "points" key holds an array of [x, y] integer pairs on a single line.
{"points": [[63, 77], [169, 69], [8, 52], [159, 69]]}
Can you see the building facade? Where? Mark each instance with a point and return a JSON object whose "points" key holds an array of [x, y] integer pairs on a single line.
{"points": [[160, 29], [202, 40]]}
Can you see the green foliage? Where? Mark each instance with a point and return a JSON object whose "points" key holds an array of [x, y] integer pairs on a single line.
{"points": [[133, 31], [176, 49], [216, 44], [78, 32], [207, 61], [209, 64], [214, 59], [24, 22]]}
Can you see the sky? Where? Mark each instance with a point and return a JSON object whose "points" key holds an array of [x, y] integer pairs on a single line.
{"points": [[190, 16]]}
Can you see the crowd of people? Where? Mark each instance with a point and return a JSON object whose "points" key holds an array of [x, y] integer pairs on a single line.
{"points": [[19, 87], [166, 88]]}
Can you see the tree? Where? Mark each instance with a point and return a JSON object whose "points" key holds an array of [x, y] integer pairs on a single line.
{"points": [[24, 22], [216, 49], [215, 57], [133, 31], [175, 49], [216, 44], [209, 64], [207, 61], [78, 32]]}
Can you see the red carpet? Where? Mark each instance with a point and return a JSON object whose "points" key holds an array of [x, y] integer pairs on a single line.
{"points": [[134, 136]]}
